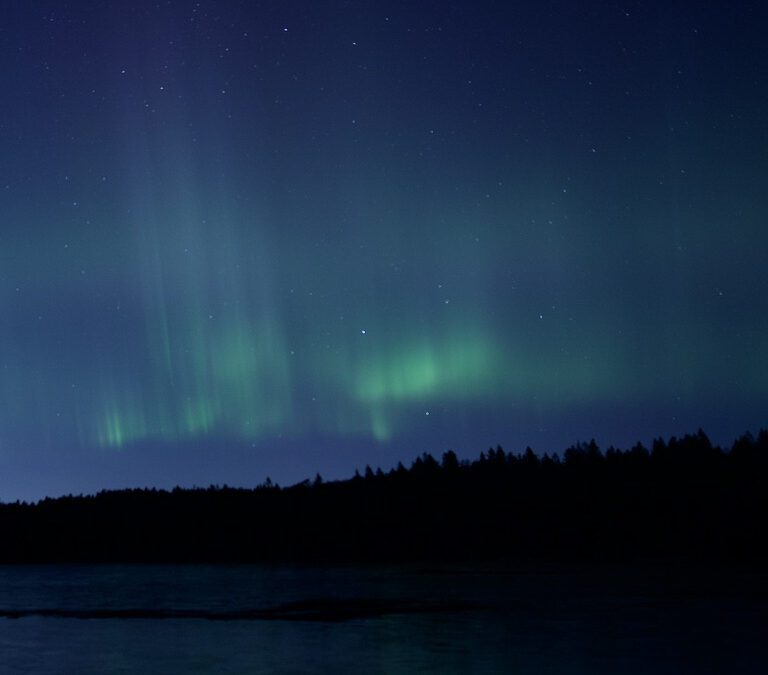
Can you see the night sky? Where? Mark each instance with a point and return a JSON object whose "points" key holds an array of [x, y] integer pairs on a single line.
{"points": [[241, 239]]}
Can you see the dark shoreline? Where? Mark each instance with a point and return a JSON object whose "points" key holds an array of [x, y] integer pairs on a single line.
{"points": [[683, 500]]}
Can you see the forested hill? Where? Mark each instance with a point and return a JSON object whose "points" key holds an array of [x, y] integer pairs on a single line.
{"points": [[683, 498]]}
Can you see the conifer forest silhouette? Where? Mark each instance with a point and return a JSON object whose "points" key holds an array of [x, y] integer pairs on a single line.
{"points": [[683, 498]]}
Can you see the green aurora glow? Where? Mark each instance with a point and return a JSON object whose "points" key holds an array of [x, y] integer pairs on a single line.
{"points": [[218, 231]]}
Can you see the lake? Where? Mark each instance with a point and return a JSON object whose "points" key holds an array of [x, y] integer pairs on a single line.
{"points": [[395, 619]]}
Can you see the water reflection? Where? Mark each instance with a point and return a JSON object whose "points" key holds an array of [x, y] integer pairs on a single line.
{"points": [[440, 620]]}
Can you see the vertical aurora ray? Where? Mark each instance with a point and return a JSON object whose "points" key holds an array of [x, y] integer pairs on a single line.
{"points": [[218, 233], [215, 359]]}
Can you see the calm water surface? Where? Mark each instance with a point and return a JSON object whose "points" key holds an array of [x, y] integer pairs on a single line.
{"points": [[381, 620]]}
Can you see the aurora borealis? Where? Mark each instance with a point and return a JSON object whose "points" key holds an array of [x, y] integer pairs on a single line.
{"points": [[242, 239]]}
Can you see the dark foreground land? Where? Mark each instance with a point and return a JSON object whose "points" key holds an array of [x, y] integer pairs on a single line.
{"points": [[683, 499]]}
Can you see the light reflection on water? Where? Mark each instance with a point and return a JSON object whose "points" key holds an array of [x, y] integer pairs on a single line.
{"points": [[473, 620]]}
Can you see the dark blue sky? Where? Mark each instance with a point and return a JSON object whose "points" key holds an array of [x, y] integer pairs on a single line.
{"points": [[242, 239]]}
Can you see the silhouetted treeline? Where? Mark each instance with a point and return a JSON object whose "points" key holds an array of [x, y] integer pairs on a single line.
{"points": [[681, 498]]}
